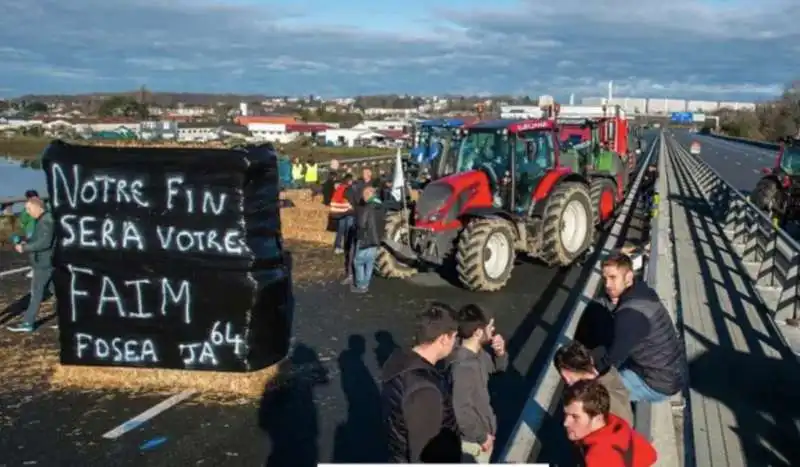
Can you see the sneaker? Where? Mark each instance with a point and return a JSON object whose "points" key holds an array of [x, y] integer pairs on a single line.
{"points": [[358, 289], [21, 328], [338, 251], [347, 281], [29, 275]]}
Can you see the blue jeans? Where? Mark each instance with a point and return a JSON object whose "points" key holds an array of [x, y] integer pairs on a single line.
{"points": [[364, 265], [41, 284], [343, 226], [638, 389]]}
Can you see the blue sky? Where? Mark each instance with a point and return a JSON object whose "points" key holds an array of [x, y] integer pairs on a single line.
{"points": [[696, 49]]}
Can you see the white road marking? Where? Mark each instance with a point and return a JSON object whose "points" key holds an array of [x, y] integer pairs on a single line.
{"points": [[143, 417]]}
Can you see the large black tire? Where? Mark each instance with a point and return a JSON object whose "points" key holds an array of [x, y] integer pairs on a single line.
{"points": [[554, 252], [768, 196], [598, 187], [473, 252], [386, 264]]}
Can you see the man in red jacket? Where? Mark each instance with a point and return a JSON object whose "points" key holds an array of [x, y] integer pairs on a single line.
{"points": [[604, 439]]}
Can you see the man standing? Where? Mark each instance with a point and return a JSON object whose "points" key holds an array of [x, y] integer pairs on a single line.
{"points": [[415, 397], [470, 366], [26, 222], [603, 439], [574, 363], [370, 227], [645, 348], [40, 247]]}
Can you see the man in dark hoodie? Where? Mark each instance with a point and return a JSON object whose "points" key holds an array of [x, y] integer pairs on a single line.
{"points": [[470, 366], [370, 226], [645, 348], [415, 397]]}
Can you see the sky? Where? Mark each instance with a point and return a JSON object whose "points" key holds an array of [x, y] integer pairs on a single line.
{"points": [[732, 50]]}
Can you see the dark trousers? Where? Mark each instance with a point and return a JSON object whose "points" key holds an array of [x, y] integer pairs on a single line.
{"points": [[350, 250], [343, 226], [41, 289]]}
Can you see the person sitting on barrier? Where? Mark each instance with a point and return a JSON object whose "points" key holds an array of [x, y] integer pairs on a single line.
{"points": [[416, 399], [574, 362], [40, 248], [370, 227], [604, 439], [470, 366], [645, 347]]}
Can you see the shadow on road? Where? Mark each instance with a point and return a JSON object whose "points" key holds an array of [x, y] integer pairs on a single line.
{"points": [[288, 414], [361, 438]]}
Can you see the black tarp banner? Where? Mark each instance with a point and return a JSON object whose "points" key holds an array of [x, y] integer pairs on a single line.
{"points": [[169, 257]]}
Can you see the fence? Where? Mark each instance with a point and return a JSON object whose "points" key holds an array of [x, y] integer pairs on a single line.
{"points": [[749, 142], [772, 257]]}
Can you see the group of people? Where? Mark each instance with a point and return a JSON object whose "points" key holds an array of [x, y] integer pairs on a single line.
{"points": [[358, 213], [36, 238], [436, 400]]}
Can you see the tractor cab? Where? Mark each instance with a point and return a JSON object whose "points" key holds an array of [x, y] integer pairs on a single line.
{"points": [[788, 160], [513, 155]]}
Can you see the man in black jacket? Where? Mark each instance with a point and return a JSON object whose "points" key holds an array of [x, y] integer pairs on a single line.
{"points": [[416, 398], [370, 226], [645, 349]]}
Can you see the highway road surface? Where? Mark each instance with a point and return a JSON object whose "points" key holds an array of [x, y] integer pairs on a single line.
{"points": [[331, 413], [738, 163]]}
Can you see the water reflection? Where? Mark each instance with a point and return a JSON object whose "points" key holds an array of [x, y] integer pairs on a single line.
{"points": [[16, 177]]}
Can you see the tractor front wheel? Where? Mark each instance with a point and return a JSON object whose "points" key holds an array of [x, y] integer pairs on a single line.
{"points": [[485, 254], [386, 264]]}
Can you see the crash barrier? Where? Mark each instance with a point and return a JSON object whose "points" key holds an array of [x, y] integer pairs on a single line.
{"points": [[749, 142], [655, 420], [772, 257], [525, 440], [169, 257]]}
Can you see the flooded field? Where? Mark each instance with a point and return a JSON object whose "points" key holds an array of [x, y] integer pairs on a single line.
{"points": [[16, 178]]}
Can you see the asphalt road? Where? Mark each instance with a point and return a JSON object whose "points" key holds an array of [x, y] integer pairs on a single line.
{"points": [[739, 164], [330, 413]]}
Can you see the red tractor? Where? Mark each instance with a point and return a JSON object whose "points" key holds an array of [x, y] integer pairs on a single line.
{"points": [[778, 192], [513, 191]]}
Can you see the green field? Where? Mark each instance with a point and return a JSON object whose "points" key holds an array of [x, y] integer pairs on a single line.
{"points": [[26, 148]]}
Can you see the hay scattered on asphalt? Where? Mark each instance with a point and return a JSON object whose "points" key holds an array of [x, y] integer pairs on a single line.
{"points": [[30, 361]]}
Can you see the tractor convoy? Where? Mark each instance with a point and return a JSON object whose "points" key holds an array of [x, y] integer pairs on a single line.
{"points": [[778, 191], [539, 187]]}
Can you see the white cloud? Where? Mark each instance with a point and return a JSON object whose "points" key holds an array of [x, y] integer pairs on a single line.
{"points": [[649, 48]]}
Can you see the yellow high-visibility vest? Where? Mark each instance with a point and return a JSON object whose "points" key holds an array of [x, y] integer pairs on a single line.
{"points": [[297, 171], [311, 173]]}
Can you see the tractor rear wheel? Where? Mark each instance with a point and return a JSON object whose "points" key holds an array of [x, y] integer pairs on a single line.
{"points": [[768, 197], [567, 226], [386, 264], [485, 254], [603, 193]]}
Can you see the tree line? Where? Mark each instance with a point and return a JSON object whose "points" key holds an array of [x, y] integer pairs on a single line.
{"points": [[770, 121]]}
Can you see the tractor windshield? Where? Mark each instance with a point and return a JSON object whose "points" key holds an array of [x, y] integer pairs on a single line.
{"points": [[484, 148], [790, 162]]}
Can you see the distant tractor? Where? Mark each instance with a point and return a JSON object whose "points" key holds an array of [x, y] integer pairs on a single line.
{"points": [[433, 141], [778, 191], [512, 191]]}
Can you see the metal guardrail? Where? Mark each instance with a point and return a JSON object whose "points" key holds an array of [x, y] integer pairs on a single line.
{"points": [[525, 438], [772, 256]]}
